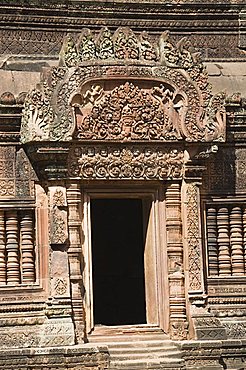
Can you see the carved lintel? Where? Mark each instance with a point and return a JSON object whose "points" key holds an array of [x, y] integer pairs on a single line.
{"points": [[125, 162]]}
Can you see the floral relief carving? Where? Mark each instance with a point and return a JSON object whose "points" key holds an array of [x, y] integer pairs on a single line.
{"points": [[131, 113], [193, 238], [58, 227], [179, 105], [110, 162], [58, 215]]}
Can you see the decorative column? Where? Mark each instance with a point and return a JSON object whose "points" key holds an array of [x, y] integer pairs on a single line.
{"points": [[12, 248], [178, 320], [27, 248], [224, 241], [213, 263], [75, 259], [2, 250], [237, 241]]}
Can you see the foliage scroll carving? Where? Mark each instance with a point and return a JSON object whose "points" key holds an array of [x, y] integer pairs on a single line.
{"points": [[125, 162], [177, 105]]}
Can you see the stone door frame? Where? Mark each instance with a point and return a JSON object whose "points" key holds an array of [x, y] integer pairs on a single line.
{"points": [[156, 276]]}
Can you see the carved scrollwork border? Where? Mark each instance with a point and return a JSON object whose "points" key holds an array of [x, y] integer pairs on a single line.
{"points": [[125, 162]]}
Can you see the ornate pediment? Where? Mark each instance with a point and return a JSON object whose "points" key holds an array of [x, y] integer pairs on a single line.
{"points": [[124, 87], [131, 113]]}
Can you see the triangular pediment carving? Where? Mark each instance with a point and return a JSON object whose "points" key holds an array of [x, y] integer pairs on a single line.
{"points": [[124, 87], [131, 113]]}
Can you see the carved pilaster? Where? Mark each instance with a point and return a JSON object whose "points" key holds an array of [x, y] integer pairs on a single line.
{"points": [[2, 250], [237, 260], [205, 325], [75, 259], [224, 241], [12, 248], [27, 248], [178, 320], [213, 262], [193, 235]]}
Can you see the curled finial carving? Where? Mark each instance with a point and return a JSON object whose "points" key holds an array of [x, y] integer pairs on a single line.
{"points": [[124, 86]]}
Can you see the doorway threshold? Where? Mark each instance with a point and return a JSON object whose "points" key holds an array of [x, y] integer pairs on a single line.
{"points": [[102, 333]]}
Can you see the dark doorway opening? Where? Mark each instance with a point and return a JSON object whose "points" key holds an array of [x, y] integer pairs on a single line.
{"points": [[118, 261]]}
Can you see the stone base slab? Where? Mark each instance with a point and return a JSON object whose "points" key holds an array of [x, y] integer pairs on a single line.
{"points": [[54, 358]]}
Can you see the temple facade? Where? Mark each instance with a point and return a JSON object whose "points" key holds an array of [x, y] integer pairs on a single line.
{"points": [[122, 197]]}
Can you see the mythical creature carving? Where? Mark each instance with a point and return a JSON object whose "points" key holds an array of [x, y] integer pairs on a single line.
{"points": [[131, 113], [178, 105]]}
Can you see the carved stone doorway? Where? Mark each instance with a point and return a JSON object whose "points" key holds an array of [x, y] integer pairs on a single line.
{"points": [[124, 284], [118, 261]]}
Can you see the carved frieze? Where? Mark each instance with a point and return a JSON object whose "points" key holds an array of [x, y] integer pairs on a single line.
{"points": [[125, 162]]}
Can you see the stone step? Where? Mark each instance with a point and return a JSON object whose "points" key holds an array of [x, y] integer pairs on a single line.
{"points": [[127, 340], [143, 328], [142, 349], [145, 356], [148, 364], [137, 347]]}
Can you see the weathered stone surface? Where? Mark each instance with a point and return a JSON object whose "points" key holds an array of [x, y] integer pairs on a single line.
{"points": [[119, 113]]}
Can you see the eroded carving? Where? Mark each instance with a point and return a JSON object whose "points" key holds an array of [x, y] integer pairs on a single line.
{"points": [[58, 215]]}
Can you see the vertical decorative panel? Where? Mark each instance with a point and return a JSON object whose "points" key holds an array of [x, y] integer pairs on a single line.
{"points": [[194, 238], [2, 250], [76, 259], [224, 241], [236, 239], [213, 263], [27, 248], [178, 319], [12, 248]]}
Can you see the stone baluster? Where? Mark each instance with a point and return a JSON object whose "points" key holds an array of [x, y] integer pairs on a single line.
{"points": [[236, 229], [213, 263], [178, 318], [2, 250], [76, 259], [12, 248], [244, 237], [223, 241], [27, 248]]}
